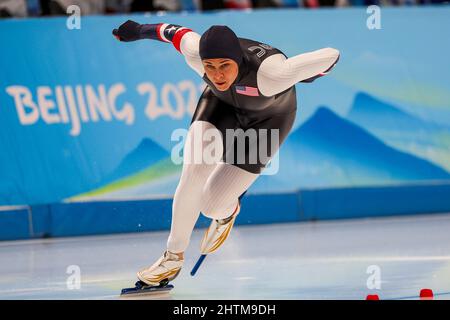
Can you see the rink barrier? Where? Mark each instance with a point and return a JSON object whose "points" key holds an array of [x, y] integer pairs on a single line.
{"points": [[108, 217], [363, 202]]}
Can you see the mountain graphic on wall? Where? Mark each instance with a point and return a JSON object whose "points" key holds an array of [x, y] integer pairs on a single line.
{"points": [[143, 156], [402, 130], [148, 169], [330, 151], [373, 113]]}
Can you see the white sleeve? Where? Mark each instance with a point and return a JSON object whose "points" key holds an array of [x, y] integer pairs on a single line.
{"points": [[276, 73], [189, 47]]}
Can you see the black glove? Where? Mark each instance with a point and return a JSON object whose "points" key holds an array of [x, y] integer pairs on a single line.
{"points": [[128, 31]]}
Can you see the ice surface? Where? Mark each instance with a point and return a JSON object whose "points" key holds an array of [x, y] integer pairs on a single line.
{"points": [[311, 260]]}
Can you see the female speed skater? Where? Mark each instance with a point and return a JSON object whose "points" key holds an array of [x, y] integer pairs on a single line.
{"points": [[250, 85]]}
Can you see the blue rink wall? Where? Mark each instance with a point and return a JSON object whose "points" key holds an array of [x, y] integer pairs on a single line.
{"points": [[105, 217], [86, 121]]}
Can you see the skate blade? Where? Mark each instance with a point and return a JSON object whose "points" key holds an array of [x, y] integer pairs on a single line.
{"points": [[146, 290]]}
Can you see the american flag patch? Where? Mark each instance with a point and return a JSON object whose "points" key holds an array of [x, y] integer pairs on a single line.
{"points": [[248, 91]]}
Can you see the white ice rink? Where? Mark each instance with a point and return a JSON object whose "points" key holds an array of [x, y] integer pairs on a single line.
{"points": [[314, 260]]}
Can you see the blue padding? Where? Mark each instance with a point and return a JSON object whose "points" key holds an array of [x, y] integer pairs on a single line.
{"points": [[14, 224], [105, 217], [41, 221], [269, 208], [373, 201], [83, 218]]}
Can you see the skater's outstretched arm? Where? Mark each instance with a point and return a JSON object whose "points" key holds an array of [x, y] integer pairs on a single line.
{"points": [[183, 39], [278, 73]]}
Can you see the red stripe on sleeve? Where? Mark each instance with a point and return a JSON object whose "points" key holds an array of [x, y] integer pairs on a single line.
{"points": [[177, 38], [158, 33]]}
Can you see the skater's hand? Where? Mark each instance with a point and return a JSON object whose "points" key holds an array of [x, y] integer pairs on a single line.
{"points": [[128, 31]]}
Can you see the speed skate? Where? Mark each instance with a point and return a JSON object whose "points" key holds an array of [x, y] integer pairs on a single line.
{"points": [[141, 288], [156, 278]]}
